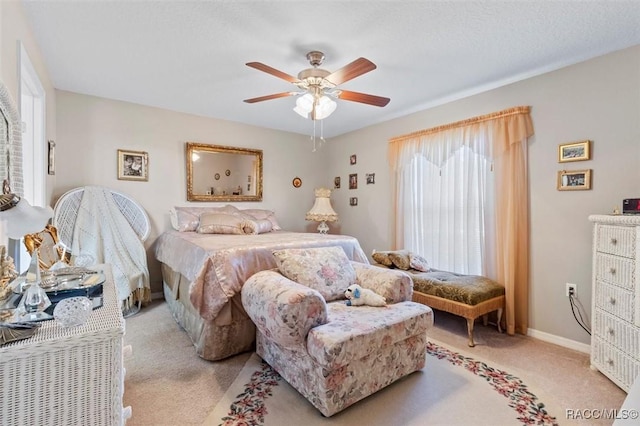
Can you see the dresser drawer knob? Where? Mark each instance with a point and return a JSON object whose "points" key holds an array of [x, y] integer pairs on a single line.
{"points": [[610, 330], [614, 241], [612, 300], [612, 270], [609, 361]]}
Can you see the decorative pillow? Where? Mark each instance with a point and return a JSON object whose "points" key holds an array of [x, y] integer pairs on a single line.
{"points": [[257, 226], [400, 259], [418, 263], [222, 223], [264, 214], [382, 257], [325, 269], [185, 219]]}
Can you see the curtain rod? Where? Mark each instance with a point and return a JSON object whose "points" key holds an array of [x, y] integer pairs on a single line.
{"points": [[468, 121]]}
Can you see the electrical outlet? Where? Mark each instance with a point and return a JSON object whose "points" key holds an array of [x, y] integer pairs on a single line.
{"points": [[572, 290]]}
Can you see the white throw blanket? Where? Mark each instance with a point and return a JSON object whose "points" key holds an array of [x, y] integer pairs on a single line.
{"points": [[103, 235]]}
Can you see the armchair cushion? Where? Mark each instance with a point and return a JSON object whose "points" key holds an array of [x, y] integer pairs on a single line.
{"points": [[281, 309], [325, 269], [356, 332]]}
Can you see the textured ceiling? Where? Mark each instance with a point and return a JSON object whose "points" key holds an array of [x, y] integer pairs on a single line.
{"points": [[190, 56]]}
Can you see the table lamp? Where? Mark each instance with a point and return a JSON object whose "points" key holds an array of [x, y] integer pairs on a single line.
{"points": [[322, 211]]}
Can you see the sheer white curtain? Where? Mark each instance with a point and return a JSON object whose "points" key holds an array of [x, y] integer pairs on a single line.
{"points": [[446, 202]]}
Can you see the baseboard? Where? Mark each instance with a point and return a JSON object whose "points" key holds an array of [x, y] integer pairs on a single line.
{"points": [[156, 296], [560, 341]]}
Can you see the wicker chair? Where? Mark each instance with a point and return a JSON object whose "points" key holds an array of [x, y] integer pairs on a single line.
{"points": [[66, 209]]}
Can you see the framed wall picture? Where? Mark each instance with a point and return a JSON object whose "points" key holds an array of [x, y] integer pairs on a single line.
{"points": [[133, 165], [296, 182], [371, 178], [576, 151], [353, 201], [336, 182], [51, 164], [352, 159], [353, 181], [574, 180]]}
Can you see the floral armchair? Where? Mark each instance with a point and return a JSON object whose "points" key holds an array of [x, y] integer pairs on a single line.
{"points": [[334, 354]]}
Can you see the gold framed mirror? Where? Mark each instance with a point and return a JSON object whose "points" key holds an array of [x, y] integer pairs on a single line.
{"points": [[223, 173]]}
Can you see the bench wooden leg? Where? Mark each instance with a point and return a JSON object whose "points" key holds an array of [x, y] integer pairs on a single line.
{"points": [[499, 320], [470, 331]]}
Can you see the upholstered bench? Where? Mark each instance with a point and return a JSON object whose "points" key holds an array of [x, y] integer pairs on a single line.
{"points": [[468, 296]]}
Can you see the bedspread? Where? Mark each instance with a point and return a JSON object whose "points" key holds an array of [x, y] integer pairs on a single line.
{"points": [[217, 265]]}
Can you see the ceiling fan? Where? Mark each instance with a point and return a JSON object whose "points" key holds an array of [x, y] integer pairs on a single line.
{"points": [[317, 86]]}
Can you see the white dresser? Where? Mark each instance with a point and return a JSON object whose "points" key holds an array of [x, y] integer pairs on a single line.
{"points": [[615, 308], [67, 376]]}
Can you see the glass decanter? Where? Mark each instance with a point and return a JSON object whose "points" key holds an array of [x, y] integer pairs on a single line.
{"points": [[35, 299]]}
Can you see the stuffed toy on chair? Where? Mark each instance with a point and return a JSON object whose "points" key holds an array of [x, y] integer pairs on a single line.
{"points": [[363, 296]]}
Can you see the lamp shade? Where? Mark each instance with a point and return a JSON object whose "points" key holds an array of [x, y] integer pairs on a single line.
{"points": [[323, 105], [322, 210], [21, 217]]}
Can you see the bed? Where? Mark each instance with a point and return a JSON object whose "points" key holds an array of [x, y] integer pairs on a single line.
{"points": [[204, 273]]}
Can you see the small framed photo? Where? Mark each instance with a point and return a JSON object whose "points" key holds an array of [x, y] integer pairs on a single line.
{"points": [[353, 201], [133, 165], [576, 151], [371, 178], [336, 182], [574, 180], [51, 167], [353, 181], [352, 159]]}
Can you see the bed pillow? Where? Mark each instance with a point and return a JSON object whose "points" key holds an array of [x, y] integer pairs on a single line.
{"points": [[264, 214], [222, 223], [183, 221], [325, 269]]}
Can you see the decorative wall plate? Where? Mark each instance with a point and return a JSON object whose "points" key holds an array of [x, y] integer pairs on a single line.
{"points": [[217, 176], [227, 172], [297, 182]]}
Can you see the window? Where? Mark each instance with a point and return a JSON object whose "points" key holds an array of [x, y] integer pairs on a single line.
{"points": [[32, 112], [450, 216]]}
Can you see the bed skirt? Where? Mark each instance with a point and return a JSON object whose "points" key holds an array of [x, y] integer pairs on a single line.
{"points": [[212, 341]]}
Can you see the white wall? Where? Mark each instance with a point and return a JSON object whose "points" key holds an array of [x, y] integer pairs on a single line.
{"points": [[91, 130], [597, 100]]}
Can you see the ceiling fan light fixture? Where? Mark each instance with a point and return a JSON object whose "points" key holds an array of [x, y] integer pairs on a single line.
{"points": [[325, 107], [304, 105]]}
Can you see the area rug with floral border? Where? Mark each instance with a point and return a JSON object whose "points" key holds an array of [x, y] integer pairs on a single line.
{"points": [[452, 389]]}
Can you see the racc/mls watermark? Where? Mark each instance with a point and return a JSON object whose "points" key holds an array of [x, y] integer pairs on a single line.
{"points": [[601, 413]]}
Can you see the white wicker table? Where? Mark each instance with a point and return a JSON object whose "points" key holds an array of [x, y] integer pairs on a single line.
{"points": [[67, 376]]}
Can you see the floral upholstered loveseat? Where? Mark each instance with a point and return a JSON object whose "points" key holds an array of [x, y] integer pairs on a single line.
{"points": [[334, 354]]}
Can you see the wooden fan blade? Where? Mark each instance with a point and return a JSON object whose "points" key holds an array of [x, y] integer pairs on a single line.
{"points": [[349, 72], [363, 98], [269, 97], [269, 70]]}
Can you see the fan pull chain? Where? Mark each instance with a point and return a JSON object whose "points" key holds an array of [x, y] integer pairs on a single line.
{"points": [[314, 136]]}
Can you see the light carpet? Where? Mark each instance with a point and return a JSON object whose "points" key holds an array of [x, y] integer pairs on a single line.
{"points": [[452, 389]]}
